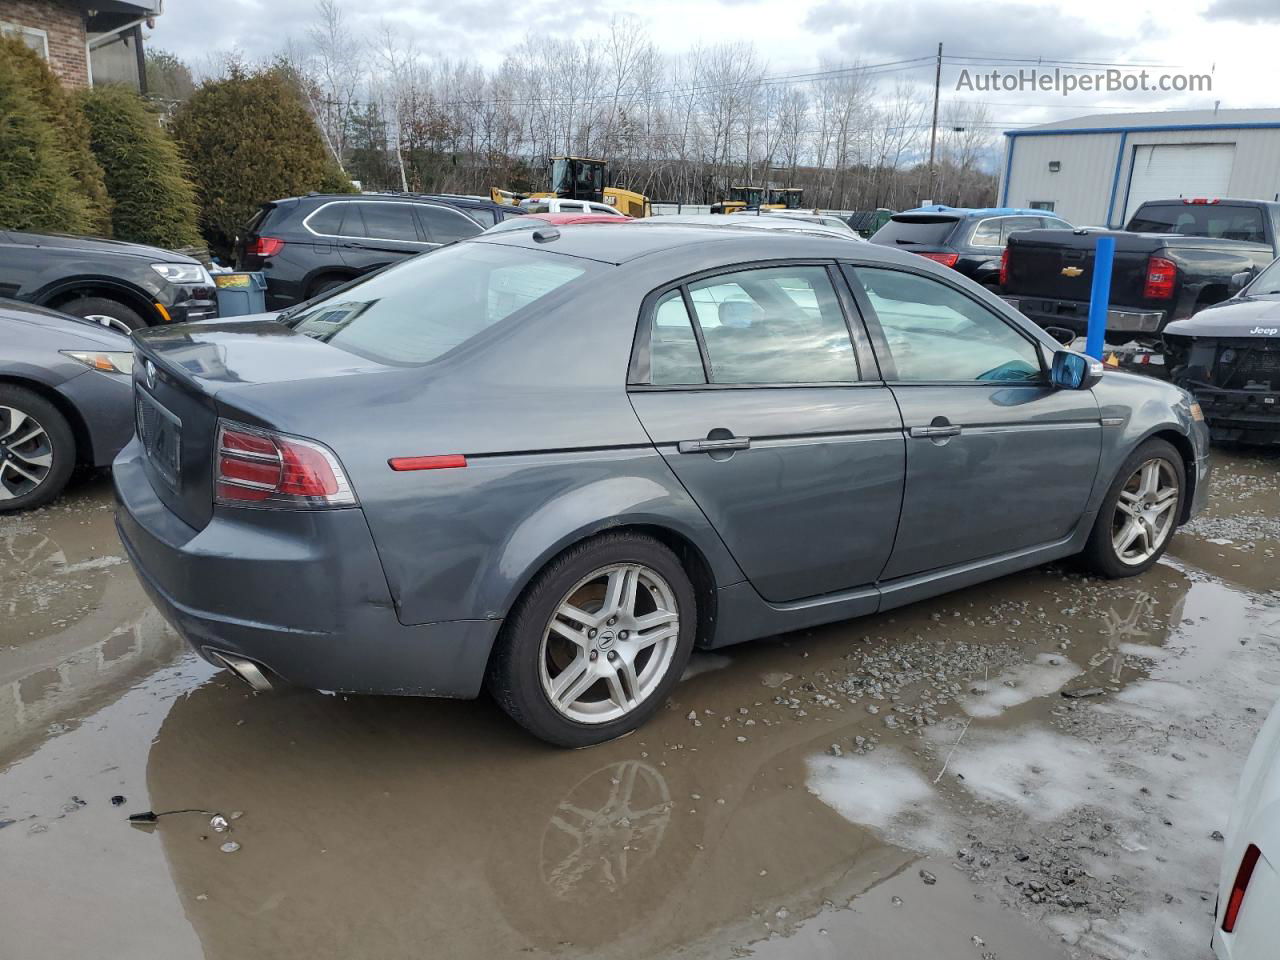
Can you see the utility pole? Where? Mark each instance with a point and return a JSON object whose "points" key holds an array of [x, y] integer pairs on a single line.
{"points": [[933, 135]]}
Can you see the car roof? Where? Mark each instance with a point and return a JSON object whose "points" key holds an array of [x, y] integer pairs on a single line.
{"points": [[751, 221], [563, 218], [966, 212], [643, 238]]}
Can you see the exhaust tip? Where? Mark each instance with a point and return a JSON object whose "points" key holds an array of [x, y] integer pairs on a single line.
{"points": [[246, 670]]}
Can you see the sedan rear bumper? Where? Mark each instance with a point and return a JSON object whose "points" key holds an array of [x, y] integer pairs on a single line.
{"points": [[301, 594]]}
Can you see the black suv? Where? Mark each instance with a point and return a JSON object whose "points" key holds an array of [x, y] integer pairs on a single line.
{"points": [[123, 285], [968, 239], [306, 245]]}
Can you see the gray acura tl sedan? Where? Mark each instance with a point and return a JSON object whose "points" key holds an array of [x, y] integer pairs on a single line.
{"points": [[550, 463]]}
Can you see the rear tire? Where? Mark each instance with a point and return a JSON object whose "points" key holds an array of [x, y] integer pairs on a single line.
{"points": [[110, 313], [324, 286], [1139, 514], [37, 449], [596, 642]]}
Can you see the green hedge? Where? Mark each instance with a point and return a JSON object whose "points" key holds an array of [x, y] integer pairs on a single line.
{"points": [[49, 179], [248, 140], [38, 190], [145, 175]]}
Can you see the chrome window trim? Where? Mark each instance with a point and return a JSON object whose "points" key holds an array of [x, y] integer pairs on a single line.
{"points": [[306, 221]]}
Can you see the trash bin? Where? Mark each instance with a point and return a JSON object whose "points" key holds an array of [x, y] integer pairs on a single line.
{"points": [[240, 294]]}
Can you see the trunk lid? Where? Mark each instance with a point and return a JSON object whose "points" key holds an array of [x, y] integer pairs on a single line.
{"points": [[1058, 264], [186, 377]]}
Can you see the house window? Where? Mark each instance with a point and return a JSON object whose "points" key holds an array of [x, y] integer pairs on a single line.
{"points": [[1042, 205], [37, 40]]}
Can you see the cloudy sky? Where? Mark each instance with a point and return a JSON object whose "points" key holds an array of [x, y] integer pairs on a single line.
{"points": [[1237, 41]]}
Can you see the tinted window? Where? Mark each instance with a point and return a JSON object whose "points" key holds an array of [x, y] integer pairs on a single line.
{"points": [[384, 221], [1010, 225], [482, 215], [904, 231], [328, 219], [1200, 220], [986, 233], [387, 318], [673, 348], [937, 333], [1055, 224], [445, 226], [777, 325]]}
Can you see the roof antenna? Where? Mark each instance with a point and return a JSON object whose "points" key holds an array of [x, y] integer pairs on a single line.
{"points": [[1215, 107]]}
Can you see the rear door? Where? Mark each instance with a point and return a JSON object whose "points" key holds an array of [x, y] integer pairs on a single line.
{"points": [[767, 404], [997, 459], [376, 233]]}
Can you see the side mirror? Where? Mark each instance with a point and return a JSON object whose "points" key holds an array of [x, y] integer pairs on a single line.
{"points": [[1074, 371], [1238, 282]]}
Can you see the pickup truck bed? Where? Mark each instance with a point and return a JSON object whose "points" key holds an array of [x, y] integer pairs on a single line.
{"points": [[1157, 277]]}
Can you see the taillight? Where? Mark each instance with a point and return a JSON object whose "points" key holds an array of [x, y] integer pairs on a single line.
{"points": [[1004, 267], [1199, 200], [255, 466], [1243, 876], [946, 259], [264, 247], [1161, 274]]}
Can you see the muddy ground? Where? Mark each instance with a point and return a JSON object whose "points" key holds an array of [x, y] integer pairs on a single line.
{"points": [[909, 785]]}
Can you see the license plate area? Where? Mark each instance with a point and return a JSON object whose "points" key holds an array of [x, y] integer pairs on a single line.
{"points": [[161, 435]]}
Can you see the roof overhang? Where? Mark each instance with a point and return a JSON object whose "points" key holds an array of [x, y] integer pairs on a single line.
{"points": [[105, 17]]}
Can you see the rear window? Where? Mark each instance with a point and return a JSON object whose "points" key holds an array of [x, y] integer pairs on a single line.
{"points": [[1200, 220], [906, 231], [421, 309]]}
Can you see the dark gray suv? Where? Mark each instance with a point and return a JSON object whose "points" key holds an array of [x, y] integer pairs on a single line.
{"points": [[307, 245], [553, 462]]}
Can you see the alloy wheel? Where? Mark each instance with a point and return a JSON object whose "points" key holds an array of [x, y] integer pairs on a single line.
{"points": [[114, 323], [1145, 514], [609, 643], [26, 453]]}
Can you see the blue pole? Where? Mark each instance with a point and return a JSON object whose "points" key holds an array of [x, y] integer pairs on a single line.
{"points": [[1103, 255]]}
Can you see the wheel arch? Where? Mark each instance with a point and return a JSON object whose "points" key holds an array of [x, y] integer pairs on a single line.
{"points": [[689, 545], [326, 272], [130, 296], [1182, 443], [79, 429]]}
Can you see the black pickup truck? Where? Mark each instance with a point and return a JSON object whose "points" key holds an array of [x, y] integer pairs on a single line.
{"points": [[1174, 257]]}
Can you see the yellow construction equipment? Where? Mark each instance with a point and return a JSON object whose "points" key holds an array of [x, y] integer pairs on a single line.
{"points": [[581, 178], [743, 197]]}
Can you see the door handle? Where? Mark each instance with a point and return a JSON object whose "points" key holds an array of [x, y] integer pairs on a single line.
{"points": [[715, 446], [933, 433]]}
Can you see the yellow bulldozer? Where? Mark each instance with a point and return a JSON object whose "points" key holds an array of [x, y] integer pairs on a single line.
{"points": [[760, 198], [580, 178]]}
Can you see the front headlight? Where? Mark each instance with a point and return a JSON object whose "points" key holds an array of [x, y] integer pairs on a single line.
{"points": [[183, 273], [104, 362]]}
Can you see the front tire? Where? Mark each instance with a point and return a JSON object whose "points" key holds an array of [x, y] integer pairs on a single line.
{"points": [[109, 313], [597, 641], [37, 450], [1139, 513]]}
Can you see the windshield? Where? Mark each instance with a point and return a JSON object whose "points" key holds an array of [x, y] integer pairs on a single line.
{"points": [[423, 308], [907, 231], [1200, 220], [1267, 282]]}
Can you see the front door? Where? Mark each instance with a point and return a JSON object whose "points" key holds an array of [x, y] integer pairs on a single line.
{"points": [[997, 459], [750, 385]]}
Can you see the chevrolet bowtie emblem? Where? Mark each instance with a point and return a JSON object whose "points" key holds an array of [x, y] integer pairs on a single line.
{"points": [[1071, 271]]}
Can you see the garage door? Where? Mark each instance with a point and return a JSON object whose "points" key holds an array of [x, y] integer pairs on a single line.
{"points": [[1168, 171]]}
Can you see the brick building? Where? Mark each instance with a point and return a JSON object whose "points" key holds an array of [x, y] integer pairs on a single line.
{"points": [[85, 41]]}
